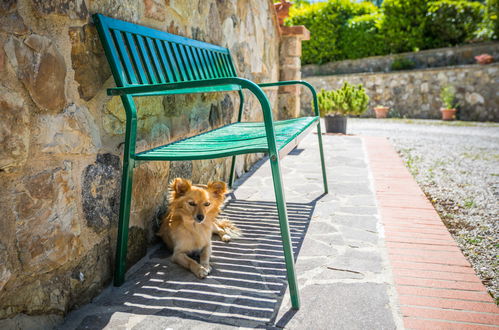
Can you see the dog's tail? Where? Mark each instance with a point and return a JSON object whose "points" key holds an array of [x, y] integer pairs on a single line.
{"points": [[228, 227]]}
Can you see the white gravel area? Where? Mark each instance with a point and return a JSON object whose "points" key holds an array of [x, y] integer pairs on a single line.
{"points": [[457, 166]]}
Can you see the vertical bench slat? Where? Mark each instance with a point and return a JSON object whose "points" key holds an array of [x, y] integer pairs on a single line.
{"points": [[194, 65], [146, 58], [219, 63], [226, 64], [231, 65], [202, 65], [214, 61], [171, 60], [209, 56], [188, 62], [197, 62], [157, 63], [121, 79], [125, 58], [132, 47], [176, 51], [206, 64], [164, 61]]}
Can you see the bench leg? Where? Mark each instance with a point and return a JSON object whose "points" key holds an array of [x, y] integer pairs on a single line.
{"points": [[321, 151], [125, 201], [285, 235], [232, 172]]}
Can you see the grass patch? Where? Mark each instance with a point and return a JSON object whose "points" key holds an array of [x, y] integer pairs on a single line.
{"points": [[469, 203]]}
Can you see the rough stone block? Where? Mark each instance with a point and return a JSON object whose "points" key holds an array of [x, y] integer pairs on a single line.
{"points": [[74, 9], [14, 130], [100, 192], [45, 81], [13, 23], [290, 46], [154, 9], [71, 132], [88, 60]]}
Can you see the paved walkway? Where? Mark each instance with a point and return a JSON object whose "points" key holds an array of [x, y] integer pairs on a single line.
{"points": [[344, 261]]}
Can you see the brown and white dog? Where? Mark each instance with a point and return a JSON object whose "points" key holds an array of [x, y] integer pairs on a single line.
{"points": [[191, 220]]}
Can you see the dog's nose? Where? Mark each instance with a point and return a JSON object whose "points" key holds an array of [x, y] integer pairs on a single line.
{"points": [[200, 217]]}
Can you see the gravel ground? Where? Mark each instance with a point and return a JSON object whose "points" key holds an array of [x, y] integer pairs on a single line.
{"points": [[457, 166]]}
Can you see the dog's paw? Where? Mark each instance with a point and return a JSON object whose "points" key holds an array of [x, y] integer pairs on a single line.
{"points": [[226, 238], [207, 266], [202, 272]]}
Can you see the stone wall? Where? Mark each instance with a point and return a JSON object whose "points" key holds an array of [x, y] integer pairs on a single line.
{"points": [[61, 137], [432, 58], [416, 93]]}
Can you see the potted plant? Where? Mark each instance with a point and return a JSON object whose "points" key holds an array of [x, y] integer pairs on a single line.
{"points": [[448, 97], [335, 105], [381, 111]]}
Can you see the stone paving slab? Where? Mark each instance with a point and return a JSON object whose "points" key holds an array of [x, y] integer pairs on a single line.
{"points": [[342, 266]]}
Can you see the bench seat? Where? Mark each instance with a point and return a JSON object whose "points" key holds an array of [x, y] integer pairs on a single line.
{"points": [[233, 139]]}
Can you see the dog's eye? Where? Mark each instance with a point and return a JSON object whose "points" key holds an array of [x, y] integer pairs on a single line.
{"points": [[207, 204], [192, 203]]}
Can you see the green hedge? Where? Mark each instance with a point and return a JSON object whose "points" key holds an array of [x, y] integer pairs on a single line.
{"points": [[328, 23], [345, 29], [493, 17]]}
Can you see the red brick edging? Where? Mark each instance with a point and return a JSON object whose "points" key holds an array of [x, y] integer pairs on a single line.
{"points": [[436, 286]]}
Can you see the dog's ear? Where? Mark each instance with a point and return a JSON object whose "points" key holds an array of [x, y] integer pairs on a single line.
{"points": [[218, 188], [179, 187]]}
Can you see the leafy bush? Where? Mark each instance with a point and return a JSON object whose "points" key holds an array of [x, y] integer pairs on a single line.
{"points": [[402, 63], [404, 24], [361, 37], [452, 22], [345, 29], [327, 22], [493, 16], [348, 100]]}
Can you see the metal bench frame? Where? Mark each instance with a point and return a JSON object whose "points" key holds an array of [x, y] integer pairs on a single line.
{"points": [[147, 62]]}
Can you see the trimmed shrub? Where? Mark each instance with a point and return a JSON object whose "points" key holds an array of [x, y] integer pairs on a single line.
{"points": [[493, 16], [345, 29], [361, 37], [452, 22], [404, 24], [327, 22]]}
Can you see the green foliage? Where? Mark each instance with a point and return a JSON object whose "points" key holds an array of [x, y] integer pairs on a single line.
{"points": [[345, 29], [348, 100], [493, 17], [404, 24], [327, 23], [402, 63], [448, 97], [452, 22], [361, 37]]}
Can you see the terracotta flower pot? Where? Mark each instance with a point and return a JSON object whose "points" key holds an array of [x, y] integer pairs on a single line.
{"points": [[381, 112], [448, 114]]}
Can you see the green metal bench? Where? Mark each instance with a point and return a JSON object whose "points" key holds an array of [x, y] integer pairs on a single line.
{"points": [[147, 62]]}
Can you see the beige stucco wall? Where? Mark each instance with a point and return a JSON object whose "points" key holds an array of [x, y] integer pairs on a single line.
{"points": [[61, 137]]}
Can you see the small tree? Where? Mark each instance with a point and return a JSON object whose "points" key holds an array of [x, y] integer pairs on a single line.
{"points": [[448, 97], [348, 100]]}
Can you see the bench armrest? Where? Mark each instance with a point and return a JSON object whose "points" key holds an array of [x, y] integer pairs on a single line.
{"points": [[296, 82], [189, 86]]}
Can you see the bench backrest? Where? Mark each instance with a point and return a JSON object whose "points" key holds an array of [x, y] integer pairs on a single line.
{"points": [[143, 56]]}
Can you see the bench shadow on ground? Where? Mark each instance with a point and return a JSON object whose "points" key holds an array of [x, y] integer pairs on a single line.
{"points": [[247, 283]]}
